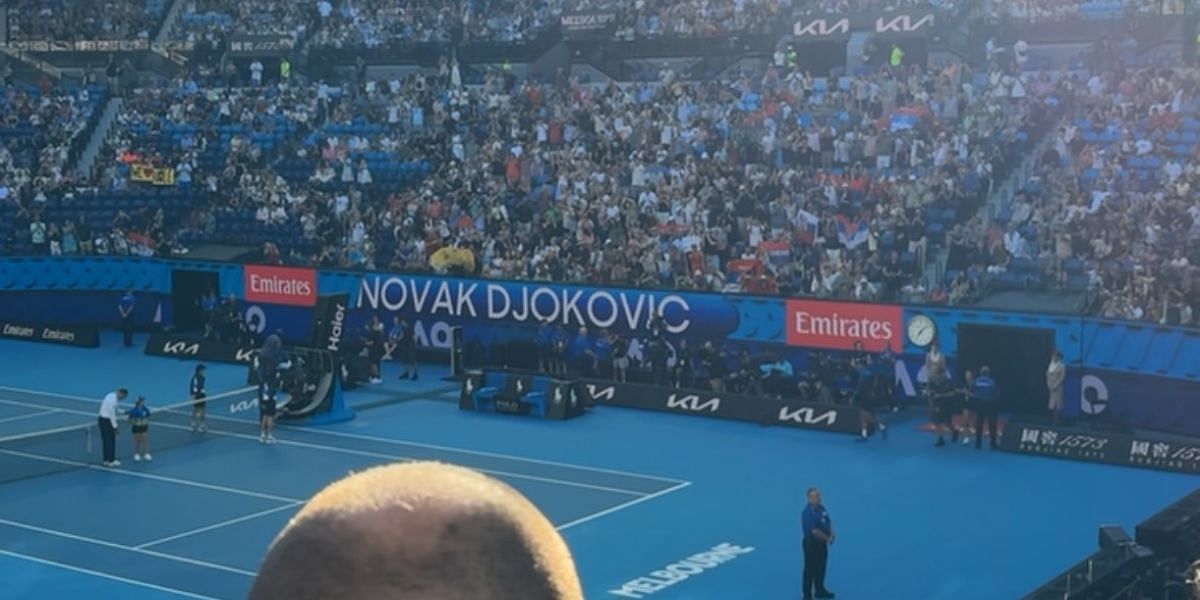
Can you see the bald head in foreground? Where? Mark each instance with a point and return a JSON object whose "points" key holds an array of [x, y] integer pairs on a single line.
{"points": [[420, 531]]}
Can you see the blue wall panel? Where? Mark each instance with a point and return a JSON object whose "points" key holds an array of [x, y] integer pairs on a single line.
{"points": [[1153, 372]]}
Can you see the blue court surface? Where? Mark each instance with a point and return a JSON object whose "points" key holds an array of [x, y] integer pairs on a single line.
{"points": [[633, 492]]}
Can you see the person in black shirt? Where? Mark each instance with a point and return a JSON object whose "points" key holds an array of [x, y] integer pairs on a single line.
{"points": [[374, 339], [620, 358], [712, 364], [269, 358], [406, 343], [682, 373], [84, 234], [199, 406], [745, 378], [657, 354], [943, 401]]}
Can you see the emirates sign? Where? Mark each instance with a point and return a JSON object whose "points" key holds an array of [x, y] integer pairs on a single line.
{"points": [[837, 325], [280, 285]]}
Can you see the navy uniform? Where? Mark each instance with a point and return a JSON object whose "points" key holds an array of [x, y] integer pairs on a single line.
{"points": [[986, 394], [125, 308], [199, 405], [269, 358], [818, 535]]}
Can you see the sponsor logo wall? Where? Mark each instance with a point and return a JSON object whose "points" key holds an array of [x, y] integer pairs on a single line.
{"points": [[757, 409], [499, 311], [280, 285], [827, 27], [66, 335], [587, 25], [837, 325], [1143, 451], [184, 348]]}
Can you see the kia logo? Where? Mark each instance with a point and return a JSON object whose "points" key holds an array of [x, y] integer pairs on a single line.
{"points": [[181, 348], [807, 416], [693, 403]]}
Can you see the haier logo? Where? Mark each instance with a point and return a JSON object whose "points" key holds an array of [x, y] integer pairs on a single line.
{"points": [[181, 348], [903, 23], [821, 28], [335, 326], [693, 403], [807, 416]]}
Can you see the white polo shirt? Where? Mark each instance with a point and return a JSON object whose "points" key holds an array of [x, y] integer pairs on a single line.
{"points": [[108, 408]]}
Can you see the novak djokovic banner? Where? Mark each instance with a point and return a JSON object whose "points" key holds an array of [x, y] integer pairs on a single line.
{"points": [[621, 310]]}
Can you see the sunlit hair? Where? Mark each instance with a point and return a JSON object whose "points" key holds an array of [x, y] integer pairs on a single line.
{"points": [[418, 530]]}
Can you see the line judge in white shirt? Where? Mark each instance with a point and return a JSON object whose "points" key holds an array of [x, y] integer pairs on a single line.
{"points": [[108, 425]]}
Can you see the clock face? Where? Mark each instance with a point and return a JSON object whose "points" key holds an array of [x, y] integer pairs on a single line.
{"points": [[921, 330]]}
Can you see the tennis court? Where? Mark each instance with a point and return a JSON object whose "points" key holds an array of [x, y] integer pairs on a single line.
{"points": [[633, 492]]}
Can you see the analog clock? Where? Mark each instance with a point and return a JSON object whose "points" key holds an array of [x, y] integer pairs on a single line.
{"points": [[921, 330]]}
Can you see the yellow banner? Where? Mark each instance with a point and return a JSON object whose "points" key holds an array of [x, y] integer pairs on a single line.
{"points": [[150, 174]]}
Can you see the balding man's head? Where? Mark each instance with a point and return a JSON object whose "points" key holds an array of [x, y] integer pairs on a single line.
{"points": [[418, 530]]}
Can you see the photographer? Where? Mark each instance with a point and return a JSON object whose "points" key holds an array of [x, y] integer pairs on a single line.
{"points": [[776, 373], [620, 358], [712, 367], [558, 342], [682, 372], [745, 378], [657, 355], [209, 305]]}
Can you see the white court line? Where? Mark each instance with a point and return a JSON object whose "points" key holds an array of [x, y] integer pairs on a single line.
{"points": [[397, 441], [105, 575], [187, 482], [286, 442], [401, 442], [261, 513], [97, 542], [618, 507], [29, 416]]}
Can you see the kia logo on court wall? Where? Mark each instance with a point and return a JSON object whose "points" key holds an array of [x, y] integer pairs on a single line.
{"points": [[181, 348]]}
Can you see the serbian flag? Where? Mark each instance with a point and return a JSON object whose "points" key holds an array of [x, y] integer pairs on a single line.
{"points": [[852, 233], [806, 226], [778, 253]]}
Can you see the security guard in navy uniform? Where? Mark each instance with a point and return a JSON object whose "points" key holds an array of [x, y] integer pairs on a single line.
{"points": [[818, 537], [985, 395]]}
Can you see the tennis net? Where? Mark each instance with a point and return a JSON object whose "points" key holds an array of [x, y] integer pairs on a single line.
{"points": [[38, 454]]}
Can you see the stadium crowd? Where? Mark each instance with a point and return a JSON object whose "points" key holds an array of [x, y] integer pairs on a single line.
{"points": [[772, 183], [39, 130], [74, 20], [203, 18], [1113, 207], [1058, 10]]}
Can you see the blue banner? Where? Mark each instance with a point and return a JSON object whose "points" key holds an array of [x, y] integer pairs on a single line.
{"points": [[1150, 374], [625, 311]]}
